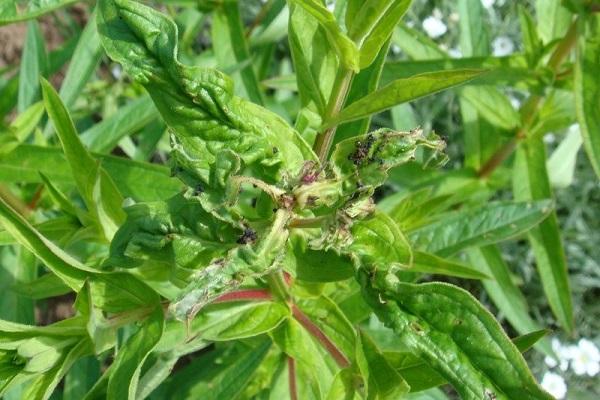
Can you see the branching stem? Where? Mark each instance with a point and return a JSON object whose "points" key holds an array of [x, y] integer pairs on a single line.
{"points": [[529, 110], [340, 90]]}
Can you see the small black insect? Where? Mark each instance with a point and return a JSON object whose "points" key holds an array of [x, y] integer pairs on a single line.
{"points": [[362, 150], [275, 150], [249, 236], [198, 190]]}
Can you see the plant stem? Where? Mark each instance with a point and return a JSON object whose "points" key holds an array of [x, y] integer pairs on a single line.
{"points": [[292, 378], [318, 334], [340, 90], [530, 109], [245, 295], [278, 287]]}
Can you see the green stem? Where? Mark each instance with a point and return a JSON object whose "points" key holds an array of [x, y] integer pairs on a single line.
{"points": [[529, 110], [278, 287], [338, 96]]}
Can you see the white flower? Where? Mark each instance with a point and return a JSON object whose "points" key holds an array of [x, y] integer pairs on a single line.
{"points": [[550, 361], [516, 103], [395, 49], [585, 358], [564, 353], [454, 17], [116, 71], [488, 3], [502, 46], [434, 27], [554, 384], [549, 138], [455, 53]]}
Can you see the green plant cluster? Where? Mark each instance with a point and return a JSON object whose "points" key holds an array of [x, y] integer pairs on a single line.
{"points": [[249, 267]]}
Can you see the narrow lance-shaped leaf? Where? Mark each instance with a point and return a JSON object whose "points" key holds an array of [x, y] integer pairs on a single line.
{"points": [[197, 103], [97, 188], [504, 293], [530, 182], [587, 87], [315, 64], [128, 364], [71, 271], [33, 64], [401, 91], [17, 10], [23, 164], [83, 63], [227, 24], [455, 335], [344, 46], [479, 226], [381, 379], [370, 24]]}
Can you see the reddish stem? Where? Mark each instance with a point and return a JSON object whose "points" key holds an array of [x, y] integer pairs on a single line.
{"points": [[289, 280], [292, 378], [245, 295], [318, 334]]}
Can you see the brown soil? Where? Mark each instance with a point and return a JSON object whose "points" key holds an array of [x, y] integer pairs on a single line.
{"points": [[12, 37]]}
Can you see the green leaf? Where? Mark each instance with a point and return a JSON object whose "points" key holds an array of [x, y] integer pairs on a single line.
{"points": [[15, 10], [23, 164], [44, 385], [33, 65], [382, 381], [530, 182], [492, 105], [231, 321], [229, 36], [197, 103], [315, 63], [71, 271], [345, 48], [313, 375], [242, 262], [431, 264], [401, 91], [421, 376], [218, 376], [370, 24], [83, 63], [379, 242], [416, 44], [320, 266], [504, 292], [120, 291], [331, 321], [80, 378], [552, 19], [487, 224], [474, 36], [587, 88], [46, 286], [105, 135], [562, 162], [98, 190], [128, 364], [447, 328], [509, 70], [531, 40], [528, 340]]}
